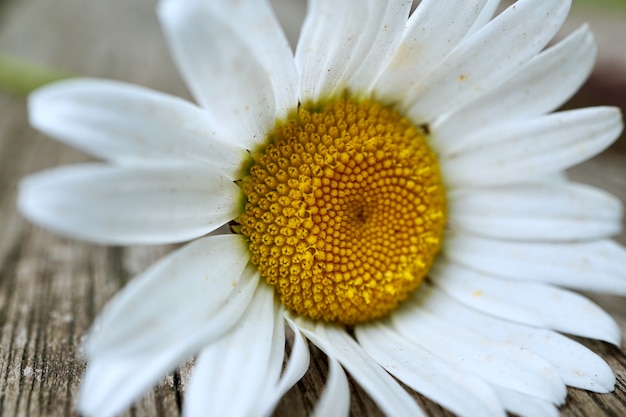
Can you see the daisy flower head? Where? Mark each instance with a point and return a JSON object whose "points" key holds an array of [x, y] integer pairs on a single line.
{"points": [[394, 192]]}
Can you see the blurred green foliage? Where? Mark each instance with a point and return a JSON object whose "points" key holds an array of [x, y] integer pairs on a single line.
{"points": [[21, 77], [601, 4]]}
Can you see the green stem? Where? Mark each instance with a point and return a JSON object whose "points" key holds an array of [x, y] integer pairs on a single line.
{"points": [[21, 77]]}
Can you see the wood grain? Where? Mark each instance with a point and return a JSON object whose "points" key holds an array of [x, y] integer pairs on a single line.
{"points": [[51, 288]]}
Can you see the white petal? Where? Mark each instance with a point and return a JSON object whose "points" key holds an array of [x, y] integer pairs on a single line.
{"points": [[205, 287], [462, 393], [531, 303], [335, 399], [141, 205], [131, 125], [424, 45], [345, 44], [525, 405], [541, 211], [497, 362], [392, 17], [485, 16], [236, 62], [392, 399], [256, 24], [110, 385], [132, 345], [509, 41], [231, 374], [519, 150], [561, 70], [297, 366], [576, 365], [596, 266], [487, 135]]}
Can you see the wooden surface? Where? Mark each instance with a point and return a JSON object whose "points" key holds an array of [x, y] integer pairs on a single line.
{"points": [[51, 288]]}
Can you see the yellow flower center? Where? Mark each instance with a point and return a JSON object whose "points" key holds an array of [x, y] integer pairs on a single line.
{"points": [[345, 210]]}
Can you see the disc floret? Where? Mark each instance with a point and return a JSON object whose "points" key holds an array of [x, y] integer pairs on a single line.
{"points": [[345, 210]]}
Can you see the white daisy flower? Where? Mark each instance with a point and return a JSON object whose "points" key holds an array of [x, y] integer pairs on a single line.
{"points": [[395, 194]]}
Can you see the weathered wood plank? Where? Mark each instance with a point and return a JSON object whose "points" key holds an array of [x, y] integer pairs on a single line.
{"points": [[52, 288]]}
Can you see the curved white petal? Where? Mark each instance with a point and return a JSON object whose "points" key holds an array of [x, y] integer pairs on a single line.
{"points": [[589, 120], [494, 361], [134, 344], [596, 265], [204, 286], [392, 17], [131, 125], [424, 44], [531, 303], [576, 365], [462, 393], [141, 205], [345, 44], [486, 14], [231, 374], [392, 399], [256, 24], [487, 58], [335, 399], [559, 70], [236, 61], [522, 149], [111, 385], [525, 405], [547, 211], [297, 366]]}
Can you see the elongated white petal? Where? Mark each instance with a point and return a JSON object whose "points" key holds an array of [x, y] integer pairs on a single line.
{"points": [[462, 393], [131, 125], [220, 53], [205, 287], [526, 405], [116, 205], [577, 366], [392, 17], [276, 358], [231, 374], [392, 399], [424, 45], [132, 345], [255, 23], [485, 16], [531, 303], [525, 149], [596, 265], [540, 211], [295, 369], [519, 129], [335, 399], [345, 44], [510, 40], [561, 70], [110, 385], [498, 362]]}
